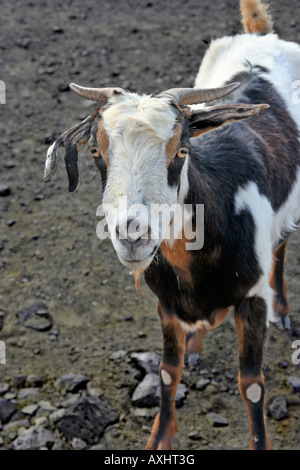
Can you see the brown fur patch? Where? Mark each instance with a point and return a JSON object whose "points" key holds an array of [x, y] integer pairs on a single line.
{"points": [[102, 141], [255, 17], [277, 281], [178, 256], [174, 143]]}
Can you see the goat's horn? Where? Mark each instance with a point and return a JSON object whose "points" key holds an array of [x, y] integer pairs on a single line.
{"points": [[194, 96], [101, 95]]}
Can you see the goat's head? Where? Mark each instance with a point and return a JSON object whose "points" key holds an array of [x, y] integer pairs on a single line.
{"points": [[140, 144]]}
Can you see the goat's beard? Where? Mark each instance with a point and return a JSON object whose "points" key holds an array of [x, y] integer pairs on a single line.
{"points": [[137, 273], [137, 277]]}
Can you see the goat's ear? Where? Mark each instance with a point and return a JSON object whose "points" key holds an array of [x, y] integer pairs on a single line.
{"points": [[208, 119], [72, 140]]}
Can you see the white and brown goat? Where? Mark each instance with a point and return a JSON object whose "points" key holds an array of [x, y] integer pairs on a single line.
{"points": [[173, 148]]}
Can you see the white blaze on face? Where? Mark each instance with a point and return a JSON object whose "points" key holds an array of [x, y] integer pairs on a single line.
{"points": [[139, 129]]}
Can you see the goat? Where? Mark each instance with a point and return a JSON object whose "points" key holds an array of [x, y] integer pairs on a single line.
{"points": [[174, 148]]}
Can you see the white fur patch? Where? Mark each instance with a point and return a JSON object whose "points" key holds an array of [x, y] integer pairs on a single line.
{"points": [[229, 56], [192, 328], [260, 208], [165, 376], [254, 393], [288, 215]]}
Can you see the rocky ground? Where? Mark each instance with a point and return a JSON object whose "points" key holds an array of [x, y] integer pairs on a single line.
{"points": [[81, 345]]}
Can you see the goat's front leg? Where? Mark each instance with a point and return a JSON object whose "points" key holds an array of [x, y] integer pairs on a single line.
{"points": [[170, 370], [250, 318]]}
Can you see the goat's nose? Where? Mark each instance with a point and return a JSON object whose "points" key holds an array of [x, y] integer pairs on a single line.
{"points": [[132, 233]]}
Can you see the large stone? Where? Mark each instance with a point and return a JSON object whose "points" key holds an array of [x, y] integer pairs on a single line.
{"points": [[87, 419], [35, 317], [7, 410], [71, 382], [147, 393], [33, 439], [147, 361]]}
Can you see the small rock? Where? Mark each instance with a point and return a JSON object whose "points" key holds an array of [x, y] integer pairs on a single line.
{"points": [[30, 410], [28, 393], [78, 443], [4, 387], [41, 421], [48, 138], [117, 355], [4, 190], [35, 317], [19, 381], [295, 383], [180, 395], [146, 413], [34, 381], [195, 435], [33, 439], [94, 391], [57, 29], [15, 425], [278, 409], [147, 361], [63, 87], [46, 406], [70, 401], [229, 376], [10, 395], [202, 384], [216, 420], [71, 382], [87, 420], [7, 409], [57, 415], [284, 364], [10, 222], [193, 359]]}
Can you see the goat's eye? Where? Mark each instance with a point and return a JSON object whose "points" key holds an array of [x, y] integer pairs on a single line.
{"points": [[95, 152], [182, 153]]}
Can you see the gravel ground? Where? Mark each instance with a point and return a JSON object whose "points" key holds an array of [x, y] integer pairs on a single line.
{"points": [[70, 318]]}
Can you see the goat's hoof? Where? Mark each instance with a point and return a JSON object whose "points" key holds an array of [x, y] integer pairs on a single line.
{"points": [[284, 323]]}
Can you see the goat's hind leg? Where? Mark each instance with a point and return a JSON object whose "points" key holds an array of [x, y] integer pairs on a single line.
{"points": [[170, 370], [278, 283], [250, 318]]}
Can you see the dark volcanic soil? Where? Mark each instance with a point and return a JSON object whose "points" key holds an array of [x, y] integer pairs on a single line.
{"points": [[49, 251]]}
